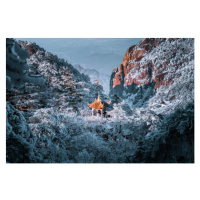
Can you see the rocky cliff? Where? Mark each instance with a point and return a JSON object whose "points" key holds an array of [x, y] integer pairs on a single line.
{"points": [[158, 55], [154, 63]]}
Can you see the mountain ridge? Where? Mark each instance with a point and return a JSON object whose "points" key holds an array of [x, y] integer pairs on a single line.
{"points": [[163, 64]]}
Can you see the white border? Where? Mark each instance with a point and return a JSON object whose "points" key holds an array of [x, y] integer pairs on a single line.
{"points": [[98, 19]]}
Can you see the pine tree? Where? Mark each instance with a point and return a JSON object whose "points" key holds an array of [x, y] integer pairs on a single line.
{"points": [[68, 96]]}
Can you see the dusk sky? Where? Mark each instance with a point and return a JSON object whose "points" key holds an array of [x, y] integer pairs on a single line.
{"points": [[102, 54]]}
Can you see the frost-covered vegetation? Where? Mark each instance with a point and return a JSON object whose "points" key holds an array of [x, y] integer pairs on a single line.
{"points": [[173, 60], [52, 137], [53, 124]]}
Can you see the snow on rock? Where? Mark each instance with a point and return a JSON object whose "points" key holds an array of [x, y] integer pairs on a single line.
{"points": [[150, 118], [163, 69]]}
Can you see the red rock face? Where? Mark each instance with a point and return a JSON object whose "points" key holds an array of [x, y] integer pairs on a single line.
{"points": [[139, 74], [116, 80], [132, 54], [118, 76]]}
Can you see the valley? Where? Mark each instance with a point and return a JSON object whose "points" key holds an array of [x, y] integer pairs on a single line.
{"points": [[150, 117]]}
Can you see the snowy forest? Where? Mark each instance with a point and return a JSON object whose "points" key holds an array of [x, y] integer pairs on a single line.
{"points": [[57, 114]]}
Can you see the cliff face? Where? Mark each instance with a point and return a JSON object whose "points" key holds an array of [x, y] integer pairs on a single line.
{"points": [[153, 60]]}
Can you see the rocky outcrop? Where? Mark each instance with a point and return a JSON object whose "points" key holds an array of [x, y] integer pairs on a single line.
{"points": [[152, 61]]}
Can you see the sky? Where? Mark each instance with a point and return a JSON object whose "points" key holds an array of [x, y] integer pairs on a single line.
{"points": [[102, 54]]}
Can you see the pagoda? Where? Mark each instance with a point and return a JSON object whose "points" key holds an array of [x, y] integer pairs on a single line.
{"points": [[97, 105]]}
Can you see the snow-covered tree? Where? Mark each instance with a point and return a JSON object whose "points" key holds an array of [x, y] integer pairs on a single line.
{"points": [[118, 114]]}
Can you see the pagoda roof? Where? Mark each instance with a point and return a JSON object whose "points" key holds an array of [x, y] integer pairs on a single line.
{"points": [[96, 104]]}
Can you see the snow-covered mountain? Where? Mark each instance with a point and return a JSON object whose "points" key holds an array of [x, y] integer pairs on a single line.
{"points": [[157, 72], [63, 86], [150, 117], [94, 74]]}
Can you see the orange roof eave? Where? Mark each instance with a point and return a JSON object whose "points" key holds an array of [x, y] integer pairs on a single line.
{"points": [[96, 105]]}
